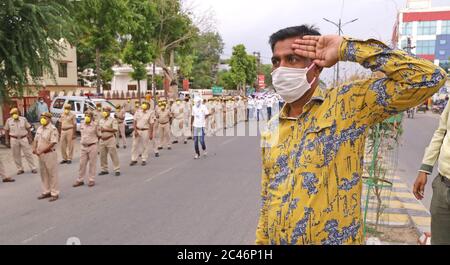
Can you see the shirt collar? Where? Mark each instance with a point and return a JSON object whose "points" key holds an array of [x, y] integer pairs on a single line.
{"points": [[317, 97]]}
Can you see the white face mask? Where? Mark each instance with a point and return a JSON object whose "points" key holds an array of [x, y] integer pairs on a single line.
{"points": [[291, 83]]}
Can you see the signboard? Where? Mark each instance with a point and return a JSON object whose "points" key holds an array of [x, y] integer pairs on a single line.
{"points": [[261, 83], [217, 90]]}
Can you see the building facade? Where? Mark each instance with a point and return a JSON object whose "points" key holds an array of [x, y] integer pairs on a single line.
{"points": [[425, 31]]}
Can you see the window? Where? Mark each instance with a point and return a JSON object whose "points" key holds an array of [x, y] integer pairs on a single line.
{"points": [[425, 46], [72, 104], [59, 103], [62, 69], [407, 29], [442, 42], [426, 28], [445, 27], [441, 52], [132, 87]]}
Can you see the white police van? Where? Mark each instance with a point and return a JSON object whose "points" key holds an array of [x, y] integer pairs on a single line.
{"points": [[80, 104]]}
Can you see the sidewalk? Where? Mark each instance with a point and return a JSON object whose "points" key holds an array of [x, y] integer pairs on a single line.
{"points": [[403, 212]]}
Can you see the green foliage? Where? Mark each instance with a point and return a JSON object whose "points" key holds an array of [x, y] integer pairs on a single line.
{"points": [[29, 39], [266, 70], [243, 67], [225, 80]]}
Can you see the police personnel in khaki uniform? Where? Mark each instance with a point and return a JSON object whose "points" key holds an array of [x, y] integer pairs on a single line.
{"points": [[68, 132], [98, 112], [90, 133], [108, 127], [163, 117], [44, 147], [120, 117], [177, 127], [143, 133], [18, 137]]}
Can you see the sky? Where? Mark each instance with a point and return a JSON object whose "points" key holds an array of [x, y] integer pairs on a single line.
{"points": [[251, 22]]}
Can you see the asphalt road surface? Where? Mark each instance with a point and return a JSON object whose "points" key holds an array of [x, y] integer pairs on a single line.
{"points": [[173, 200], [416, 137]]}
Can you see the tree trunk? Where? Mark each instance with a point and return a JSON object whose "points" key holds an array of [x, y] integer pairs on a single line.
{"points": [[153, 84], [139, 91], [97, 69]]}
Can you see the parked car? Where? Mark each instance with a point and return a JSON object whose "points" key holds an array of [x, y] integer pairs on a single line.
{"points": [[80, 104]]}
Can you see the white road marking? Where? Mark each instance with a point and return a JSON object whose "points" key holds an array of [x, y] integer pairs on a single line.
{"points": [[160, 173], [37, 235], [228, 141]]}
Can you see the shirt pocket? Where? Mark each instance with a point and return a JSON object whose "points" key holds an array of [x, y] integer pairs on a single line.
{"points": [[318, 147]]}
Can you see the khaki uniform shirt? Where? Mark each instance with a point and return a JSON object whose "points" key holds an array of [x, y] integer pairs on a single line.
{"points": [[109, 123], [89, 133], [120, 116], [45, 136], [163, 116], [178, 111], [144, 119], [68, 121], [17, 128]]}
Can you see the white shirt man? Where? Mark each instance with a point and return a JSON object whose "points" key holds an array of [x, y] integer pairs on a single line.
{"points": [[199, 114]]}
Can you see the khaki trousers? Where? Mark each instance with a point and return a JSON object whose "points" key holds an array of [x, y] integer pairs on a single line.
{"points": [[109, 147], [164, 134], [121, 133], [141, 144], [2, 171], [88, 156], [18, 145], [440, 212], [48, 166], [177, 132], [67, 144]]}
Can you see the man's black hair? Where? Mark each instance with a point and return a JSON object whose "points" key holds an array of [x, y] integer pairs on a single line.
{"points": [[291, 32]]}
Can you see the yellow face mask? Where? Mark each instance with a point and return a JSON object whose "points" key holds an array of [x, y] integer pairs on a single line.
{"points": [[15, 116], [105, 114], [87, 119], [178, 102], [144, 106], [44, 121], [66, 111]]}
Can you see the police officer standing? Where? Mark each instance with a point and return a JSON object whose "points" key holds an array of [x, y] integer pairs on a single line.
{"points": [[108, 128], [68, 132], [120, 116], [98, 112], [177, 110], [18, 137], [90, 133], [44, 147], [163, 117], [143, 133]]}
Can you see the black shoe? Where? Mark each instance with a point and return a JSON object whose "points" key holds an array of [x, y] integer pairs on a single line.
{"points": [[63, 162], [34, 171], [144, 163], [156, 154], [160, 148], [185, 142], [169, 148], [124, 147], [20, 172], [174, 142], [117, 174], [69, 161], [103, 173], [117, 146], [133, 163]]}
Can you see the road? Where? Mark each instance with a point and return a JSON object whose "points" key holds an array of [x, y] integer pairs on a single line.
{"points": [[173, 200], [417, 135]]}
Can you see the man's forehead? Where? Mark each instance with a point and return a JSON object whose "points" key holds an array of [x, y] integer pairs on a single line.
{"points": [[284, 47]]}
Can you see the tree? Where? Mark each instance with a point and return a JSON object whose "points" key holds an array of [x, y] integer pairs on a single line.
{"points": [[266, 70], [30, 34], [101, 23], [174, 29], [225, 80], [243, 67], [139, 50], [207, 48]]}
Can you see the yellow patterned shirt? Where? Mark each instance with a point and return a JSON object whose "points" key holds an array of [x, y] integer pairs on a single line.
{"points": [[312, 164]]}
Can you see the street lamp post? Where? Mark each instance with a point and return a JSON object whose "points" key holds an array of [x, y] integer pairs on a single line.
{"points": [[339, 25]]}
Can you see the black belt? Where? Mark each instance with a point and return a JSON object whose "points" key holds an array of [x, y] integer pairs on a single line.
{"points": [[88, 145], [18, 137]]}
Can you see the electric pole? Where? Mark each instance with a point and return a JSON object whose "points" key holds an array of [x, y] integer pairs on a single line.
{"points": [[339, 25]]}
